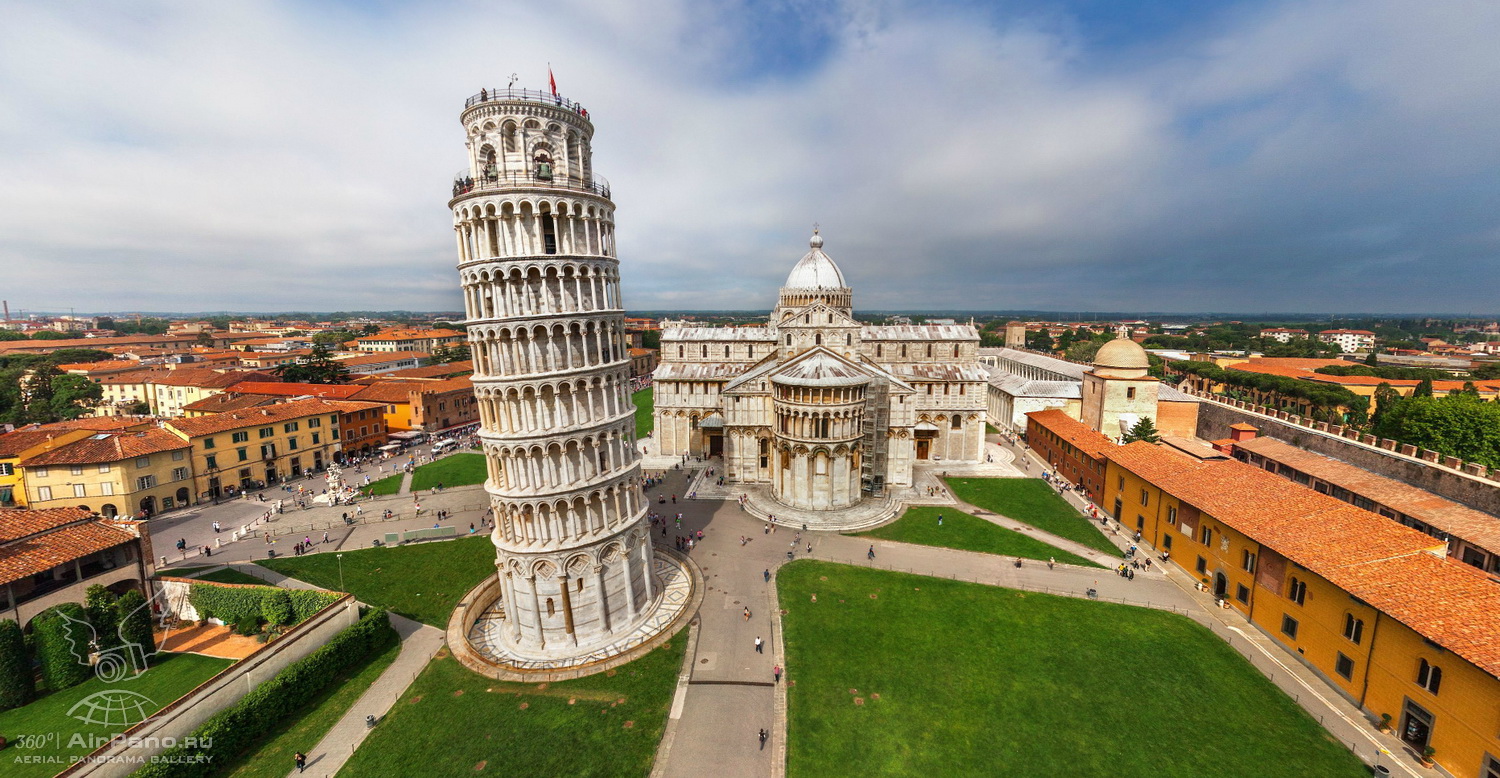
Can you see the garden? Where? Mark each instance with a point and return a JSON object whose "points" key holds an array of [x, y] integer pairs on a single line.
{"points": [[968, 533], [450, 471], [422, 582], [882, 679], [1031, 501]]}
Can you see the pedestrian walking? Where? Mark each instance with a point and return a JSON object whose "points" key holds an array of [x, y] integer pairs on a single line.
{"points": [[1051, 561], [871, 553], [747, 614], [776, 673], [763, 736], [767, 574], [301, 760], [759, 645], [325, 536], [940, 519]]}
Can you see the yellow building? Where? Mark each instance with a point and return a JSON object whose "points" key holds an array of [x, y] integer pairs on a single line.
{"points": [[1372, 606], [139, 473], [248, 448], [20, 444]]}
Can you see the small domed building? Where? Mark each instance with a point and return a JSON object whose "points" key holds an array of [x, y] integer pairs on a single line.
{"points": [[1118, 391], [822, 409]]}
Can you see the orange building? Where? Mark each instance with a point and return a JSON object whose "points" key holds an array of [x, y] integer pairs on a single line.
{"points": [[1071, 448], [1374, 607]]}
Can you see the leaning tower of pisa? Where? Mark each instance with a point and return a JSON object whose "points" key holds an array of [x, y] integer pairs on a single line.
{"points": [[577, 576]]}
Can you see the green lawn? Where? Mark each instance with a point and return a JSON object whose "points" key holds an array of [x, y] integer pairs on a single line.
{"points": [[391, 484], [455, 722], [989, 429], [231, 576], [453, 470], [886, 681], [645, 403], [970, 533], [1032, 501], [422, 582], [303, 730], [43, 728]]}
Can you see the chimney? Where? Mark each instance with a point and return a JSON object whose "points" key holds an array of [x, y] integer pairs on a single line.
{"points": [[1242, 432]]}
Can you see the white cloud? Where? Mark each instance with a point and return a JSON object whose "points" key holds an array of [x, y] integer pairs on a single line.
{"points": [[261, 156]]}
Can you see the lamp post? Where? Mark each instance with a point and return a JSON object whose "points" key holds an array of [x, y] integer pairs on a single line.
{"points": [[341, 571]]}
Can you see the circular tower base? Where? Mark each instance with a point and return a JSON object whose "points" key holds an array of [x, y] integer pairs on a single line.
{"points": [[474, 629]]}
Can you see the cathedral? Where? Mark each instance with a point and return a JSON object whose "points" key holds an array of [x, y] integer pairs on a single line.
{"points": [[820, 408]]}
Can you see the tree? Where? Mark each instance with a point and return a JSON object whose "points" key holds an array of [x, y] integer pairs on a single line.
{"points": [[1039, 341], [99, 603], [135, 621], [205, 338], [1386, 399], [276, 608], [319, 368], [12, 335], [50, 335], [60, 649], [16, 684], [369, 329], [1084, 351], [138, 408], [1424, 388], [1489, 371], [1459, 425], [333, 338], [443, 355], [73, 395], [1143, 430], [1371, 360], [652, 339]]}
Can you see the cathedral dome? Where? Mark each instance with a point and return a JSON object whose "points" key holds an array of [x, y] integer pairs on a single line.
{"points": [[1122, 354], [815, 270]]}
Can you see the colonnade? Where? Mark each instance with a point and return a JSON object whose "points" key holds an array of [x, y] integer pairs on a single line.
{"points": [[509, 350], [502, 292], [484, 231], [543, 409]]}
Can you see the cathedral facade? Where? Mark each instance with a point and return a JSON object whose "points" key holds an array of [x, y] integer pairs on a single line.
{"points": [[821, 408]]}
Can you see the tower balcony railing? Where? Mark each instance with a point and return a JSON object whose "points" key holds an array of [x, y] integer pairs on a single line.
{"points": [[465, 182], [528, 95]]}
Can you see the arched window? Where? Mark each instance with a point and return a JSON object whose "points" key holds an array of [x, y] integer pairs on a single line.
{"points": [[958, 421], [818, 339], [849, 339], [680, 350], [551, 610], [879, 350], [726, 352], [1429, 677], [789, 339], [955, 349]]}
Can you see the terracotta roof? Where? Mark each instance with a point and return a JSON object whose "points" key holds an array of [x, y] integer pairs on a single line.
{"points": [[18, 523], [110, 364], [1444, 600], [27, 557], [1395, 568], [459, 368], [1471, 525], [254, 417], [145, 375], [289, 389], [96, 423], [209, 379], [377, 357], [229, 401], [108, 447], [13, 443], [1075, 432], [400, 391]]}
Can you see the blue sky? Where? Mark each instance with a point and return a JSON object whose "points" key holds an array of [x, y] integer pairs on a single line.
{"points": [[1178, 156]]}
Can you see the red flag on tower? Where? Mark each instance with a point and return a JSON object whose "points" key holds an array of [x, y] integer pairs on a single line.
{"points": [[552, 80]]}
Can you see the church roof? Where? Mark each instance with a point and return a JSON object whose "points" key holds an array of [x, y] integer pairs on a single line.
{"points": [[1061, 366], [1016, 386], [939, 372], [815, 270], [757, 334], [918, 332], [821, 368], [698, 371]]}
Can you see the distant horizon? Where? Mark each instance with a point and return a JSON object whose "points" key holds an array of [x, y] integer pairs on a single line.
{"points": [[1054, 315]]}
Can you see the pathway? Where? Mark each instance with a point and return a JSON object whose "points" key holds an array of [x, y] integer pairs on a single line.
{"points": [[419, 644]]}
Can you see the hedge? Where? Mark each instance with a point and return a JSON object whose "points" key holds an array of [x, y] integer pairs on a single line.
{"points": [[239, 727], [276, 608], [99, 603], [16, 685], [58, 642], [135, 620], [233, 604]]}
